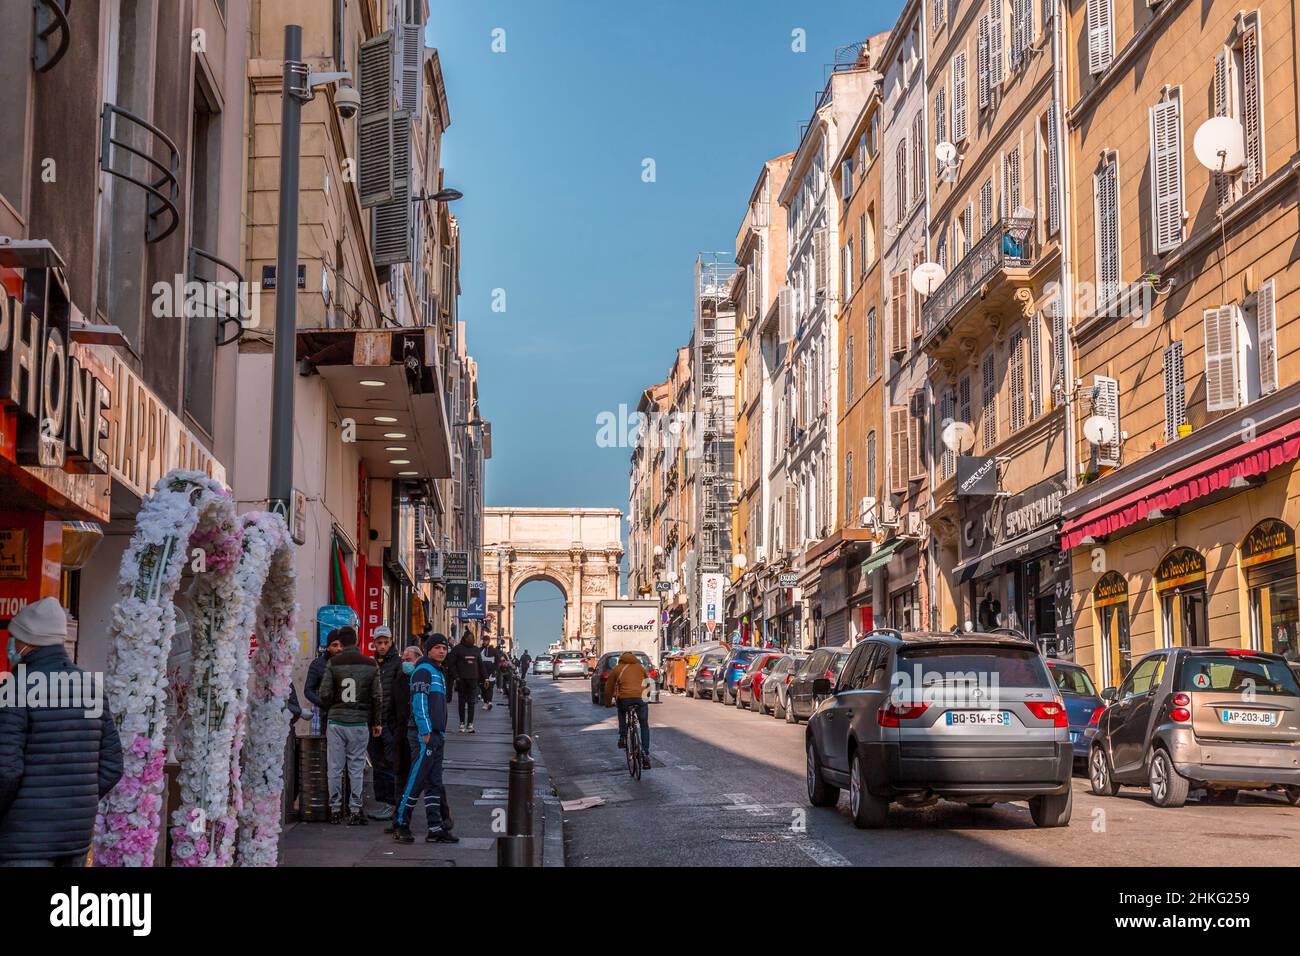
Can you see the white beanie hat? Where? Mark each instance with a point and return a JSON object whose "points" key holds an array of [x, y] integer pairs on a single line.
{"points": [[43, 624]]}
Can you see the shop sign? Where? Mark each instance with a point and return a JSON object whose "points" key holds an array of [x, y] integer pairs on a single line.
{"points": [[475, 608], [1269, 540], [1031, 509], [456, 566], [457, 594], [1179, 567], [976, 476], [372, 611], [1111, 589], [710, 598], [35, 546], [13, 553], [663, 587], [788, 579]]}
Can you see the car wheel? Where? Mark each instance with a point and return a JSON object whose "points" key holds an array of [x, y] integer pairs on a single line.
{"points": [[1292, 795], [1099, 775], [869, 812], [778, 711], [790, 716], [1225, 796], [1168, 787], [689, 691], [740, 701], [761, 706], [820, 793], [1052, 811]]}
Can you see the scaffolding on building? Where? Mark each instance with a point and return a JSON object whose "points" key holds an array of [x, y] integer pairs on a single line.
{"points": [[715, 406]]}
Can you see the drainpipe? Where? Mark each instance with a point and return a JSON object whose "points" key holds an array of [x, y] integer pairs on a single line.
{"points": [[1067, 262]]}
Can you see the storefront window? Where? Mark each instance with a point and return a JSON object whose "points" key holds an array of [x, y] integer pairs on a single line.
{"points": [[904, 611], [1180, 589], [1110, 603], [1268, 562]]}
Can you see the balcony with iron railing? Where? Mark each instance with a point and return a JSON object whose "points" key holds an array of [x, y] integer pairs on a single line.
{"points": [[229, 301], [128, 145], [983, 284]]}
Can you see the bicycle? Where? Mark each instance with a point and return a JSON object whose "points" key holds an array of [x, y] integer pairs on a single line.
{"points": [[633, 744]]}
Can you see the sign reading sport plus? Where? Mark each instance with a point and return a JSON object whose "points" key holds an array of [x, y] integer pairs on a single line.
{"points": [[710, 598]]}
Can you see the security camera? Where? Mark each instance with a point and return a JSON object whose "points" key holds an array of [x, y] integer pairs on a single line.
{"points": [[347, 101]]}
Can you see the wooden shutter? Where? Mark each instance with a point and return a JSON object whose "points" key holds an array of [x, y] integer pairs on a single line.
{"points": [[862, 242], [898, 312], [1223, 89], [900, 158], [989, 399], [1175, 390], [1016, 372], [1252, 107], [941, 251], [1053, 173], [986, 207], [412, 89], [960, 97], [1266, 322], [899, 455], [916, 440], [392, 234], [1105, 402], [982, 63], [375, 122], [1106, 190], [1013, 180], [964, 400], [871, 464], [1167, 174], [947, 409], [848, 370], [997, 62], [820, 263], [873, 344], [1035, 366], [940, 125], [1099, 36], [1058, 345], [967, 228], [1222, 362], [848, 489], [918, 156], [914, 311]]}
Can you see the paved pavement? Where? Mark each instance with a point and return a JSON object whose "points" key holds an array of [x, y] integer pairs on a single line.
{"points": [[475, 772], [727, 789]]}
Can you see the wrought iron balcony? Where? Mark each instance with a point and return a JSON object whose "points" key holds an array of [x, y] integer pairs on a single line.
{"points": [[52, 34], [163, 191], [229, 301], [1007, 245]]}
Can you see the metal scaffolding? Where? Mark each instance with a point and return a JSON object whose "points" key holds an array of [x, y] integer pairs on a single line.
{"points": [[715, 406]]}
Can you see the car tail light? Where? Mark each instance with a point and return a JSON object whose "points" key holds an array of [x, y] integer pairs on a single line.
{"points": [[706, 673], [1240, 652], [1052, 710], [1180, 714], [891, 714], [1182, 700], [654, 672], [1096, 716], [829, 675], [789, 678]]}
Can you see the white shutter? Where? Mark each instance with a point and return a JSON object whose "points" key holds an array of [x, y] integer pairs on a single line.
{"points": [[948, 458], [982, 63], [1266, 322], [1175, 391], [375, 122], [1100, 34], [997, 62], [940, 125], [986, 207], [1223, 107], [412, 90], [821, 262], [900, 186], [1016, 372], [960, 97], [392, 232], [871, 464], [1058, 345], [1167, 174], [785, 313], [1013, 172], [989, 397], [1222, 361], [1252, 107], [918, 156], [968, 228], [1105, 402], [1035, 366], [1053, 173], [1105, 189], [963, 400]]}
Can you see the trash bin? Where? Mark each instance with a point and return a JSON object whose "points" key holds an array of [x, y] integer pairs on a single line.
{"points": [[313, 781]]}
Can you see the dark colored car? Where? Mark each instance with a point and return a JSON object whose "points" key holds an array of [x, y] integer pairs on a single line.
{"points": [[776, 685], [1217, 719], [729, 674], [918, 717], [606, 664], [801, 698], [1083, 705], [699, 679], [749, 689]]}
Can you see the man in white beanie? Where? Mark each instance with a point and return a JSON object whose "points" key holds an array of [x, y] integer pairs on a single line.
{"points": [[57, 761]]}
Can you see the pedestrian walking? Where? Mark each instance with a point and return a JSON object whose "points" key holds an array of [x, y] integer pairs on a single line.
{"points": [[401, 711], [311, 689], [383, 748], [524, 661], [465, 666], [353, 699], [426, 735], [57, 759], [491, 657]]}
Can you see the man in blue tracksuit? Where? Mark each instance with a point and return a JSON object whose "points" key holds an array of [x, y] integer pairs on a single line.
{"points": [[426, 733]]}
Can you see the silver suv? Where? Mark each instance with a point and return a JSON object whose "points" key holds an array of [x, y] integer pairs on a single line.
{"points": [[916, 717]]}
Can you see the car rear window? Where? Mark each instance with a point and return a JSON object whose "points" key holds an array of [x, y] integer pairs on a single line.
{"points": [[1073, 680], [837, 664], [946, 666], [570, 656], [1233, 674]]}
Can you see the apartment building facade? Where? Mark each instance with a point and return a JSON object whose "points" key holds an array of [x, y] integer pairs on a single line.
{"points": [[1181, 529]]}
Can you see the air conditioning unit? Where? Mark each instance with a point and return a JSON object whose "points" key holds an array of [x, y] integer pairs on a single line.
{"points": [[760, 553], [888, 513], [865, 508], [913, 525]]}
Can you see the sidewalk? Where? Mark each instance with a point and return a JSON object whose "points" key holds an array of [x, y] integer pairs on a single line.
{"points": [[475, 772]]}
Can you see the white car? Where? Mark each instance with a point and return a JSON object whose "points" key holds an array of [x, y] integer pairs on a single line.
{"points": [[569, 664], [542, 664]]}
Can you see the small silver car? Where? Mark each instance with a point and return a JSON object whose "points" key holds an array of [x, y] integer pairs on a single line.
{"points": [[569, 664]]}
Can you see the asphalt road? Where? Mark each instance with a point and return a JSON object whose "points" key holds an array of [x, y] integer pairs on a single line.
{"points": [[727, 789]]}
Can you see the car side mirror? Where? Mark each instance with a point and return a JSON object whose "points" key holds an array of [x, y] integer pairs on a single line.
{"points": [[1110, 694], [821, 686]]}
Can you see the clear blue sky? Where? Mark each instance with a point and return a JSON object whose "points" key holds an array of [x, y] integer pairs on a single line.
{"points": [[547, 142]]}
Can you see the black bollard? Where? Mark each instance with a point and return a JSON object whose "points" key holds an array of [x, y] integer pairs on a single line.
{"points": [[526, 714], [516, 847]]}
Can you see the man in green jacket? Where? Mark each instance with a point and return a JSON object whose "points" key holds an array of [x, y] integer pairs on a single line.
{"points": [[353, 696]]}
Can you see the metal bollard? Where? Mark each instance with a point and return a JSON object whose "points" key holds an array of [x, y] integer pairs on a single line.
{"points": [[526, 714], [516, 847]]}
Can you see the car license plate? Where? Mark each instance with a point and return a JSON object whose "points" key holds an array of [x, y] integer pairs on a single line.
{"points": [[1075, 736], [978, 718], [1256, 718]]}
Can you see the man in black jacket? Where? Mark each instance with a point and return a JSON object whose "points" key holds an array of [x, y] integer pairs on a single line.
{"points": [[383, 748], [465, 666], [354, 701], [57, 759], [491, 657], [315, 673]]}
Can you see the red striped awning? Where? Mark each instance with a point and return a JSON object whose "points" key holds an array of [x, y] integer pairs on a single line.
{"points": [[1265, 452]]}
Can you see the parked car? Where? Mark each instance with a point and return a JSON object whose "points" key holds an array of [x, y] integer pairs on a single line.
{"points": [[606, 664], [569, 664], [1199, 717], [728, 675], [1083, 705], [918, 717], [542, 663], [801, 698], [749, 689], [699, 679], [777, 685]]}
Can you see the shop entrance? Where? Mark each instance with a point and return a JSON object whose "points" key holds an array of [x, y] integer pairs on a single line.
{"points": [[1180, 589], [1110, 604], [1268, 563]]}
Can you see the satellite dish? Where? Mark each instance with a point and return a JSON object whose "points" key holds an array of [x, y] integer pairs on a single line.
{"points": [[1099, 430], [927, 276], [945, 152], [958, 437], [1220, 144]]}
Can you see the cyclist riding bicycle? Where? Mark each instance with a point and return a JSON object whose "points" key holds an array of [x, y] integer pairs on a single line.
{"points": [[626, 685]]}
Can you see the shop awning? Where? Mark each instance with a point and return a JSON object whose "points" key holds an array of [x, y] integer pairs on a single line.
{"points": [[1269, 450], [1015, 550], [880, 557]]}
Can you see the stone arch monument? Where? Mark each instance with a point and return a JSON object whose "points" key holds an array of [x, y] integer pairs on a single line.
{"points": [[579, 550]]}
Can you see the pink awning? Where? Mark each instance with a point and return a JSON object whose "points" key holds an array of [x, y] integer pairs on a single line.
{"points": [[1267, 451]]}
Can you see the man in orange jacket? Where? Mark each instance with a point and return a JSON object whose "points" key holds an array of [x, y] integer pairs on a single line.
{"points": [[627, 684]]}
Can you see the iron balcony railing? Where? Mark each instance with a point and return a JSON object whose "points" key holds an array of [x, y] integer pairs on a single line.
{"points": [[163, 191], [1006, 245], [52, 34], [228, 300]]}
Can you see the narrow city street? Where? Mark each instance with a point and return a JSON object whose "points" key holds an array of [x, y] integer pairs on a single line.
{"points": [[727, 789]]}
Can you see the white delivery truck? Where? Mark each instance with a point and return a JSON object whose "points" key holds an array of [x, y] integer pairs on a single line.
{"points": [[629, 626]]}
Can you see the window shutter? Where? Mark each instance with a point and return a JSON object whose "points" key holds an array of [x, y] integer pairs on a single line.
{"points": [[1175, 391], [392, 232], [916, 439], [918, 156], [1105, 186], [997, 68], [1222, 366], [938, 12], [412, 68], [1099, 36], [1013, 181], [898, 451], [1223, 107], [989, 397], [1167, 174], [873, 345], [914, 312], [967, 228], [948, 458], [375, 166], [898, 312], [1252, 107], [1053, 173], [848, 489], [901, 185], [1035, 366], [964, 400], [848, 369], [1105, 402], [960, 97], [821, 266], [1016, 372], [1058, 345], [986, 207], [871, 464], [862, 242], [982, 63], [1266, 321], [941, 251], [940, 124]]}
